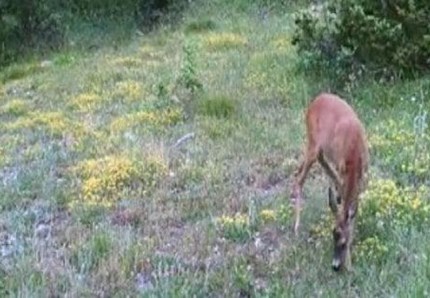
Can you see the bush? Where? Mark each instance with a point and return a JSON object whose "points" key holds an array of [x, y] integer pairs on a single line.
{"points": [[381, 36], [146, 12], [199, 26], [217, 106], [26, 25], [29, 24]]}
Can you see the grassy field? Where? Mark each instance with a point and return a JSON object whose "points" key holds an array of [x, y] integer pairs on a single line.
{"points": [[162, 168]]}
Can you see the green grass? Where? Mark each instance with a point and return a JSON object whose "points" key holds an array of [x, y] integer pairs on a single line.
{"points": [[217, 106], [200, 25], [97, 201], [19, 71]]}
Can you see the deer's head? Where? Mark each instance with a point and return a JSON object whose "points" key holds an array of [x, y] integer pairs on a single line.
{"points": [[342, 238]]}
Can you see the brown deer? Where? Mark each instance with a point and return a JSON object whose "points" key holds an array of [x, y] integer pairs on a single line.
{"points": [[337, 139]]}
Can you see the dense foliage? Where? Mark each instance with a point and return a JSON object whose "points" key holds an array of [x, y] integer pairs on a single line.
{"points": [[385, 37], [30, 23], [27, 24]]}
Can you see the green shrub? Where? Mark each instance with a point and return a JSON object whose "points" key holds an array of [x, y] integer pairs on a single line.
{"points": [[244, 5], [201, 25], [41, 25], [217, 106], [97, 8], [385, 38], [189, 77], [34, 23], [18, 71]]}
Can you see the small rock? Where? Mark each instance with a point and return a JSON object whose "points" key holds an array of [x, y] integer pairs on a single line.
{"points": [[258, 243]]}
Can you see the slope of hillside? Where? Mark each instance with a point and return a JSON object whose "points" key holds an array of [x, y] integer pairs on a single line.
{"points": [[162, 169]]}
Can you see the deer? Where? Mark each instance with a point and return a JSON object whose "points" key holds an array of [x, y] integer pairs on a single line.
{"points": [[336, 138]]}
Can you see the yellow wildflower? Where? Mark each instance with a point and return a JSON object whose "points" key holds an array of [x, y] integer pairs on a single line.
{"points": [[268, 215], [217, 41], [86, 102]]}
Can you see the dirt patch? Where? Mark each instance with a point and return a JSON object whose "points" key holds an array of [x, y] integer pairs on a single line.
{"points": [[266, 173], [127, 216]]}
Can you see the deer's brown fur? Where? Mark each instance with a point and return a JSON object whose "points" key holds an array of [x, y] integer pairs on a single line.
{"points": [[337, 139]]}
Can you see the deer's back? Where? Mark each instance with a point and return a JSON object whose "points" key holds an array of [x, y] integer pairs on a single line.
{"points": [[336, 128]]}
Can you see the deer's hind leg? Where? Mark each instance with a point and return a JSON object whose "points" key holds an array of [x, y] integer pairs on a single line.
{"points": [[334, 200]]}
